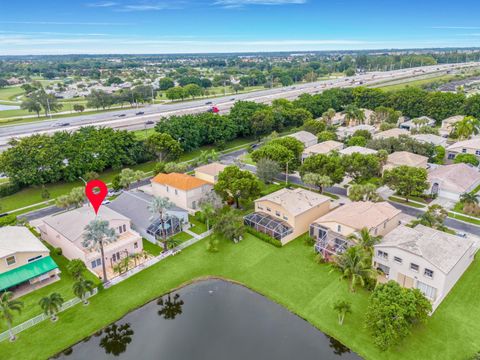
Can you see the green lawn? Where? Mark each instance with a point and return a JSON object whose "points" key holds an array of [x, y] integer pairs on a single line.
{"points": [[403, 201], [197, 226], [464, 218], [10, 92], [182, 237], [415, 83], [151, 248], [63, 287], [288, 276]]}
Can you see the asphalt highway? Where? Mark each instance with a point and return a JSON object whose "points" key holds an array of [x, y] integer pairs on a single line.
{"points": [[127, 119]]}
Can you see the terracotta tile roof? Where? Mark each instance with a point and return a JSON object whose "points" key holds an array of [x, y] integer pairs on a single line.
{"points": [[179, 181]]}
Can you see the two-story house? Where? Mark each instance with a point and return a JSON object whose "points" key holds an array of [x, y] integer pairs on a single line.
{"points": [[183, 190], [287, 213], [66, 231], [423, 258], [25, 262], [471, 146], [332, 231]]}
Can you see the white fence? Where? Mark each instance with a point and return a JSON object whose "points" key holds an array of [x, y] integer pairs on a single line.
{"points": [[37, 319]]}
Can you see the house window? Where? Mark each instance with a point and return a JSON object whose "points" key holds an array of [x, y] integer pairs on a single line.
{"points": [[176, 192], [477, 152], [382, 254], [428, 291], [464, 151], [269, 210], [451, 156], [339, 228], [397, 259], [384, 224], [285, 217], [414, 267], [96, 263], [124, 227], [34, 258], [375, 232], [10, 260], [194, 204], [277, 213], [135, 245], [428, 273], [259, 207], [168, 189]]}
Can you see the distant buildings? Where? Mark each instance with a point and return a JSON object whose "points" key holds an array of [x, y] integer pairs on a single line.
{"points": [[471, 146], [307, 138], [358, 149], [418, 123], [25, 263], [345, 132], [405, 158], [392, 133], [448, 124], [424, 258], [430, 139], [322, 148]]}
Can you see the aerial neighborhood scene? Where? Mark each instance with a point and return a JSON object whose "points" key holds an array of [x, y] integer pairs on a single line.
{"points": [[177, 185]]}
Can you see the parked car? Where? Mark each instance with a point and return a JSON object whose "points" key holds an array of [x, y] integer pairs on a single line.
{"points": [[232, 99], [122, 115], [149, 122], [140, 113], [106, 202], [208, 103], [461, 234]]}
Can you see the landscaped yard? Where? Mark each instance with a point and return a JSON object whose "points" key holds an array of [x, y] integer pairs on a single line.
{"points": [[403, 201], [182, 237], [288, 276], [197, 226], [63, 287], [151, 248]]}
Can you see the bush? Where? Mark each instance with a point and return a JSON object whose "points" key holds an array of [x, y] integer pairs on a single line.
{"points": [[319, 259], [8, 189], [8, 220], [58, 251], [200, 217], [264, 237]]}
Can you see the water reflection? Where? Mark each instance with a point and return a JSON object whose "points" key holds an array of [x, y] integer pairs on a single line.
{"points": [[116, 338], [337, 346], [170, 308]]}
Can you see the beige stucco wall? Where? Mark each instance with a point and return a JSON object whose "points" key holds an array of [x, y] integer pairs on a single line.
{"points": [[207, 177], [299, 223], [185, 199], [21, 258]]}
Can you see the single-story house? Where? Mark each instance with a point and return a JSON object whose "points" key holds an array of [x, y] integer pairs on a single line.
{"points": [[25, 262], [418, 123], [471, 146], [401, 158], [66, 230], [449, 123], [451, 181], [322, 148], [344, 132], [392, 133], [357, 149], [424, 258], [183, 190], [307, 138], [209, 172], [430, 139], [332, 231], [135, 206], [287, 213]]}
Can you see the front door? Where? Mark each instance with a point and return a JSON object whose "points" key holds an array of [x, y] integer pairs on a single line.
{"points": [[405, 281]]}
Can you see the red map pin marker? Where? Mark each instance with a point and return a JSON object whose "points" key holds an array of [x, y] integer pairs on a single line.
{"points": [[96, 192]]}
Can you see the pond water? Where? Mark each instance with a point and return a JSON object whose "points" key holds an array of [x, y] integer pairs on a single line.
{"points": [[9, 107], [213, 320]]}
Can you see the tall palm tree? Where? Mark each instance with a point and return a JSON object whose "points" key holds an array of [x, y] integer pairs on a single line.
{"points": [[7, 306], [354, 114], [354, 265], [81, 288], [160, 206], [51, 305], [329, 115], [342, 307], [469, 198], [98, 234], [365, 240]]}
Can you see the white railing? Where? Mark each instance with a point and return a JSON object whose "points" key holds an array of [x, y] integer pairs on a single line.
{"points": [[39, 318]]}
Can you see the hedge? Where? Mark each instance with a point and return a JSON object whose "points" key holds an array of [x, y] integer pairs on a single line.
{"points": [[264, 237]]}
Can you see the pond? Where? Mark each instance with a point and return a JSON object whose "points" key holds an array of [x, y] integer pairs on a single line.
{"points": [[211, 320], [9, 107]]}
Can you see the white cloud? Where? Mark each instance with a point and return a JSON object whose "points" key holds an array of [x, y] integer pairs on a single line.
{"points": [[229, 4], [457, 27], [150, 6], [64, 23], [104, 4]]}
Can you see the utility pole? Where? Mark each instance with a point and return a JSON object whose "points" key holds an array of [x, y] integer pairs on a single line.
{"points": [[48, 107], [286, 174]]}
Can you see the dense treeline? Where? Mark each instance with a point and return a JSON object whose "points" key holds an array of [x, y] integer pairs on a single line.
{"points": [[412, 102], [41, 159]]}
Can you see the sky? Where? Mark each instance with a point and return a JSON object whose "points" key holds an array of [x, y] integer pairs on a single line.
{"points": [[206, 26]]}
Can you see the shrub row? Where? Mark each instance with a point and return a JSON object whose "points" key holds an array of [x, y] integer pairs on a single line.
{"points": [[264, 237]]}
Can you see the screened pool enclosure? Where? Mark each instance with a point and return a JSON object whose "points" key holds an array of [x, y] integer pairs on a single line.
{"points": [[172, 225], [267, 224]]}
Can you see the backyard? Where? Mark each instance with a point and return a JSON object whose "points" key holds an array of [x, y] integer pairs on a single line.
{"points": [[289, 276]]}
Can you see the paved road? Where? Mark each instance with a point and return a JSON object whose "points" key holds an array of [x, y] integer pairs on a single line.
{"points": [[153, 112]]}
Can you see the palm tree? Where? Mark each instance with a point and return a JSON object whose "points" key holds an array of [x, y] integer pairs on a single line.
{"points": [[329, 115], [469, 199], [353, 114], [321, 181], [354, 265], [365, 240], [97, 235], [160, 205], [170, 307], [81, 288], [342, 307], [51, 305], [467, 127], [7, 306]]}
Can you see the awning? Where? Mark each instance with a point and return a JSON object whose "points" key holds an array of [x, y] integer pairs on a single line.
{"points": [[27, 272]]}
